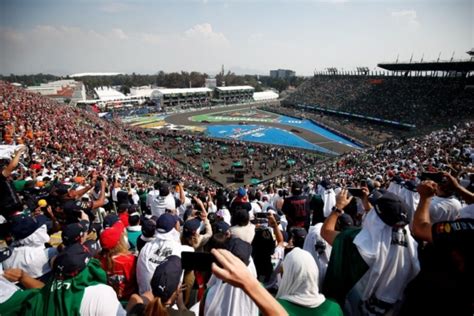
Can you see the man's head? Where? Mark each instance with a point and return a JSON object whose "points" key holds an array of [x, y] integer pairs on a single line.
{"points": [[23, 226], [240, 217], [134, 219], [70, 262], [164, 189], [296, 188], [191, 227], [166, 222], [112, 237], [298, 235], [75, 232], [166, 279]]}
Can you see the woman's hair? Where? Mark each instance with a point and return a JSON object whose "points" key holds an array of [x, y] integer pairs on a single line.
{"points": [[218, 241], [121, 247], [240, 217], [156, 308], [263, 247], [192, 240]]}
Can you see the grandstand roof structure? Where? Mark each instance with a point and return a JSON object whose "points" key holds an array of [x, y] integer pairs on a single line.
{"points": [[234, 88], [106, 94], [183, 90], [459, 66], [86, 74], [265, 95]]}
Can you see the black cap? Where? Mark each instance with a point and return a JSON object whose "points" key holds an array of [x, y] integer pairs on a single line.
{"points": [[166, 279], [392, 210], [62, 189], [411, 185], [71, 261], [73, 232], [221, 227], [191, 226], [345, 221], [5, 253], [166, 222], [23, 225], [296, 187], [110, 220], [240, 249], [298, 233], [325, 184]]}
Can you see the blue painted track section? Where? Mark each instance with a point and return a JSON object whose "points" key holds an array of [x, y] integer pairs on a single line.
{"points": [[263, 134], [310, 126]]}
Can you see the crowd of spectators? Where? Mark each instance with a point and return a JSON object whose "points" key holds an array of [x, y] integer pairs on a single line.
{"points": [[260, 161], [384, 230], [427, 102], [361, 131], [75, 140]]}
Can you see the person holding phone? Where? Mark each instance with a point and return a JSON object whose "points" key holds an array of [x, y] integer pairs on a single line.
{"points": [[232, 270], [444, 205], [9, 199]]}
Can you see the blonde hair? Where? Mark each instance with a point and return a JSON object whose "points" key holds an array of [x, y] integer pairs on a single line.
{"points": [[120, 248]]}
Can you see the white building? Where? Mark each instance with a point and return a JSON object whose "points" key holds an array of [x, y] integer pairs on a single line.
{"points": [[211, 83], [265, 95]]}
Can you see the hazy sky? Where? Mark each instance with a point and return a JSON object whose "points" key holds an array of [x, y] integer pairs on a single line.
{"points": [[144, 36]]}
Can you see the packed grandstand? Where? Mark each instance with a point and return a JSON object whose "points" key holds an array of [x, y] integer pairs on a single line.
{"points": [[99, 217]]}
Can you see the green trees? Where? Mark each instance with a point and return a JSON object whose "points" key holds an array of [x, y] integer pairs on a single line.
{"points": [[181, 79]]}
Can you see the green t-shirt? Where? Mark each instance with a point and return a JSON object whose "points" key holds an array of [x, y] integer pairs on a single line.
{"points": [[57, 297], [345, 268], [132, 237], [328, 308]]}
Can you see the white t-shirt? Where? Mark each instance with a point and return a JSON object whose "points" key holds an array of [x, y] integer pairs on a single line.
{"points": [[114, 193], [246, 233], [444, 209], [467, 211], [151, 199], [163, 203], [225, 299], [155, 252], [7, 289], [100, 300], [225, 214]]}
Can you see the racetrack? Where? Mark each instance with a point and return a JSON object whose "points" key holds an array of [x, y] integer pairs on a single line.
{"points": [[311, 137]]}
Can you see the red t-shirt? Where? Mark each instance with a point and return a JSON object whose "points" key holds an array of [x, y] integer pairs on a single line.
{"points": [[123, 277]]}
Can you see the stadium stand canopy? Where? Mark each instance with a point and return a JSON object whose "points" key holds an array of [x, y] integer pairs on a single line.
{"points": [[265, 95], [234, 88], [106, 94], [459, 66], [91, 74], [184, 91]]}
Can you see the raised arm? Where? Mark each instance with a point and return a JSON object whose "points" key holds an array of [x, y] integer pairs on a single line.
{"points": [[421, 220], [328, 230], [235, 272], [14, 162]]}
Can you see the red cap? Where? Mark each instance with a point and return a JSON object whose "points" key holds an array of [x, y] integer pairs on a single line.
{"points": [[110, 237]]}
